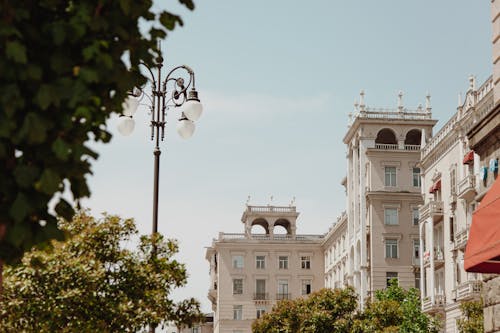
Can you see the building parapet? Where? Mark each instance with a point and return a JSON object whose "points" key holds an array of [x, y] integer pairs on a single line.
{"points": [[262, 237], [469, 290]]}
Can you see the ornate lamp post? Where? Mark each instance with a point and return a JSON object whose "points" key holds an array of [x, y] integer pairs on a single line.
{"points": [[160, 100]]}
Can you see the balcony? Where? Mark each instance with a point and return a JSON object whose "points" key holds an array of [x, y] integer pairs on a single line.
{"points": [[432, 209], [469, 290], [467, 188], [412, 147], [260, 296], [212, 295], [461, 239], [432, 307], [281, 296], [438, 259]]}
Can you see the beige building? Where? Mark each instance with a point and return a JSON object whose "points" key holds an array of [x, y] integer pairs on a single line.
{"points": [[377, 238], [450, 178], [251, 271]]}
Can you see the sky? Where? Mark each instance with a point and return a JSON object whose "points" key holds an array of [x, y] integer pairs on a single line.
{"points": [[277, 80]]}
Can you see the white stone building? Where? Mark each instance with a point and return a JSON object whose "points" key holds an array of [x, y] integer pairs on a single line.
{"points": [[251, 271]]}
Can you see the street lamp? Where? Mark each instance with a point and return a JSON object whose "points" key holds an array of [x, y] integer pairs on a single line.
{"points": [[160, 100]]}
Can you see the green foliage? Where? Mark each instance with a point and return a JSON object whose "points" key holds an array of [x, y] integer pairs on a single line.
{"points": [[89, 283], [65, 68], [472, 320], [393, 310], [324, 311]]}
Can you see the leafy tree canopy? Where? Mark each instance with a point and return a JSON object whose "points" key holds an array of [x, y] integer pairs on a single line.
{"points": [[89, 283], [393, 310], [65, 67]]}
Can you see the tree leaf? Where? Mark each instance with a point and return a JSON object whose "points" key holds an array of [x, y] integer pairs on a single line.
{"points": [[61, 149], [20, 208], [16, 52], [26, 175], [64, 209], [49, 182]]}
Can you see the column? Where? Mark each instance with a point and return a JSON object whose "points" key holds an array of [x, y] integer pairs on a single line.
{"points": [[430, 225]]}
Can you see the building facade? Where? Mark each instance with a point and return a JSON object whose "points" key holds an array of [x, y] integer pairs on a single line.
{"points": [[376, 239], [450, 178], [251, 271]]}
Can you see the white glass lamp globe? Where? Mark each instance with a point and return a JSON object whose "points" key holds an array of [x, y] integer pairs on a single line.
{"points": [[192, 109], [126, 125], [130, 106], [185, 128]]}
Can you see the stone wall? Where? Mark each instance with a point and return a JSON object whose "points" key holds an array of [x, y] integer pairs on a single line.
{"points": [[491, 295]]}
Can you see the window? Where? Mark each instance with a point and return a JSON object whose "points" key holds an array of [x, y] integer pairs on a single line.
{"points": [[237, 261], [391, 248], [305, 262], [260, 262], [391, 216], [416, 249], [389, 276], [415, 216], [260, 312], [390, 176], [260, 289], [283, 262], [195, 329], [417, 281], [306, 287], [282, 289], [237, 286], [416, 177], [453, 182], [452, 229], [237, 312]]}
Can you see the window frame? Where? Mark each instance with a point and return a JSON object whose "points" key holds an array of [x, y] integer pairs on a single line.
{"points": [[386, 220], [260, 262], [390, 178], [237, 312], [238, 289], [416, 177], [417, 220], [236, 263], [283, 262], [389, 248], [305, 262], [395, 275], [304, 284]]}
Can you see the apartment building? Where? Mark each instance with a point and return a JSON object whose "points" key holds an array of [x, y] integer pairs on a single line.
{"points": [[450, 172], [268, 262], [376, 239]]}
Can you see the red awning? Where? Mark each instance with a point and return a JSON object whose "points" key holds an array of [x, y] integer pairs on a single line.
{"points": [[431, 189], [469, 157], [482, 254], [437, 185]]}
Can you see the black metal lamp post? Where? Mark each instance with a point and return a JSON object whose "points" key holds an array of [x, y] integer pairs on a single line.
{"points": [[160, 100]]}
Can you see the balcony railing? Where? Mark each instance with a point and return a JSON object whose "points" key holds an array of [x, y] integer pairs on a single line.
{"points": [[260, 296], [386, 146], [430, 307], [272, 209], [467, 188], [432, 209], [280, 296], [412, 147], [469, 290], [461, 239]]}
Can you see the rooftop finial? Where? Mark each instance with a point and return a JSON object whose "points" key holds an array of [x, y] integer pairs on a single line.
{"points": [[248, 201], [428, 107], [292, 203], [460, 103], [400, 101], [362, 100], [472, 82]]}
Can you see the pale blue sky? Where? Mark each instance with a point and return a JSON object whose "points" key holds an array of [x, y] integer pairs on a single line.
{"points": [[277, 79]]}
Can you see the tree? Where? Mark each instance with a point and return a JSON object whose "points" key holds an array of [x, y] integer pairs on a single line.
{"points": [[395, 309], [472, 320], [65, 66], [324, 311], [89, 283]]}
